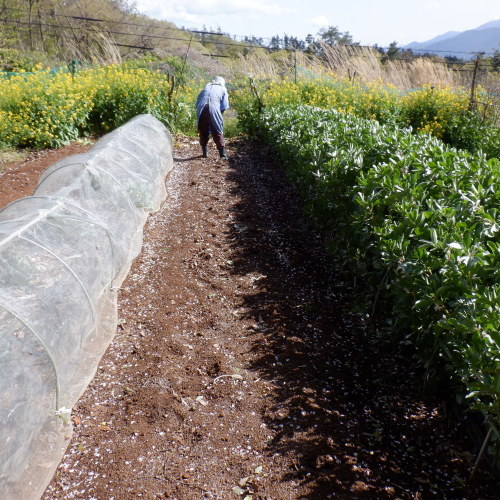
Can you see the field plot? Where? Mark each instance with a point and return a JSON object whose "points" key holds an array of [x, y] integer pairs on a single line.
{"points": [[237, 369]]}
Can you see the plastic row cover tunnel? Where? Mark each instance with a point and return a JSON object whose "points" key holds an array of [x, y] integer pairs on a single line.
{"points": [[63, 252]]}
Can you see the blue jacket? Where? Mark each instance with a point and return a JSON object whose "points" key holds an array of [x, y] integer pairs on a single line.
{"points": [[215, 94]]}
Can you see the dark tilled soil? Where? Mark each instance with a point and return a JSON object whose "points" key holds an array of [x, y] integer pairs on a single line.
{"points": [[238, 370]]}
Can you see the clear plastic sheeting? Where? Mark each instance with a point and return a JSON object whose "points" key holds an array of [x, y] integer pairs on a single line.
{"points": [[63, 253]]}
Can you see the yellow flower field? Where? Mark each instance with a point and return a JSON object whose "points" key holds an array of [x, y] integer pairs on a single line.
{"points": [[43, 109], [441, 112], [46, 110]]}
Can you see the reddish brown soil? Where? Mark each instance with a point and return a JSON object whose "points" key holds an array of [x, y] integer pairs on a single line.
{"points": [[238, 370], [18, 179]]}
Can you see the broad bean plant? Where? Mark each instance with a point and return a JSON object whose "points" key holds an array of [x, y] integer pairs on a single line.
{"points": [[417, 221]]}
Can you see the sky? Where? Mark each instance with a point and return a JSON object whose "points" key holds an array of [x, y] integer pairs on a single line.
{"points": [[368, 21]]}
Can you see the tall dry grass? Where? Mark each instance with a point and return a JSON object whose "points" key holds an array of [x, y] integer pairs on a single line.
{"points": [[258, 63], [364, 64], [96, 48]]}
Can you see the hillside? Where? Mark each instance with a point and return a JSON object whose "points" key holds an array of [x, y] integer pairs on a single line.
{"points": [[96, 31]]}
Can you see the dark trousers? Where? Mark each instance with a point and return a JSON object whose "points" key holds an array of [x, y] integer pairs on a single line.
{"points": [[205, 127]]}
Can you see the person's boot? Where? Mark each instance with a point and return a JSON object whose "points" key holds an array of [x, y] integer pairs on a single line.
{"points": [[204, 151], [222, 153]]}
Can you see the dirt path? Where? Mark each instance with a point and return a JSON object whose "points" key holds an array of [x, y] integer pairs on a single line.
{"points": [[237, 370]]}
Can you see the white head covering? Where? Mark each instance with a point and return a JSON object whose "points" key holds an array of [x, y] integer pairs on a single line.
{"points": [[218, 80]]}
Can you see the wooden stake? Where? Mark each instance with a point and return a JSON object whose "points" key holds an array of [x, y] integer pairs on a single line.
{"points": [[481, 452], [473, 85]]}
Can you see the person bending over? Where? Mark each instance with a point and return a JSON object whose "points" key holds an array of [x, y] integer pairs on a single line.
{"points": [[211, 103]]}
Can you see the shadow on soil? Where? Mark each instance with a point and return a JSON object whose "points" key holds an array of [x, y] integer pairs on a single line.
{"points": [[350, 416]]}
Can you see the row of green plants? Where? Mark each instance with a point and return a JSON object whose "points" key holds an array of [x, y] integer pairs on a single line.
{"points": [[416, 221], [442, 112]]}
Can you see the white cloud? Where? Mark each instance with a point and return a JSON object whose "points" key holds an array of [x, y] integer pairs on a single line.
{"points": [[319, 22], [238, 17], [197, 12]]}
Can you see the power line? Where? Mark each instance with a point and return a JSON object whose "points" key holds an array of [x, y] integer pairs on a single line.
{"points": [[125, 23], [123, 33], [215, 55], [240, 44], [132, 46], [54, 35], [213, 33], [203, 41]]}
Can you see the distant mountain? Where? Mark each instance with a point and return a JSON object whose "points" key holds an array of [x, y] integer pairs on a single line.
{"points": [[463, 44], [491, 24], [439, 38]]}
